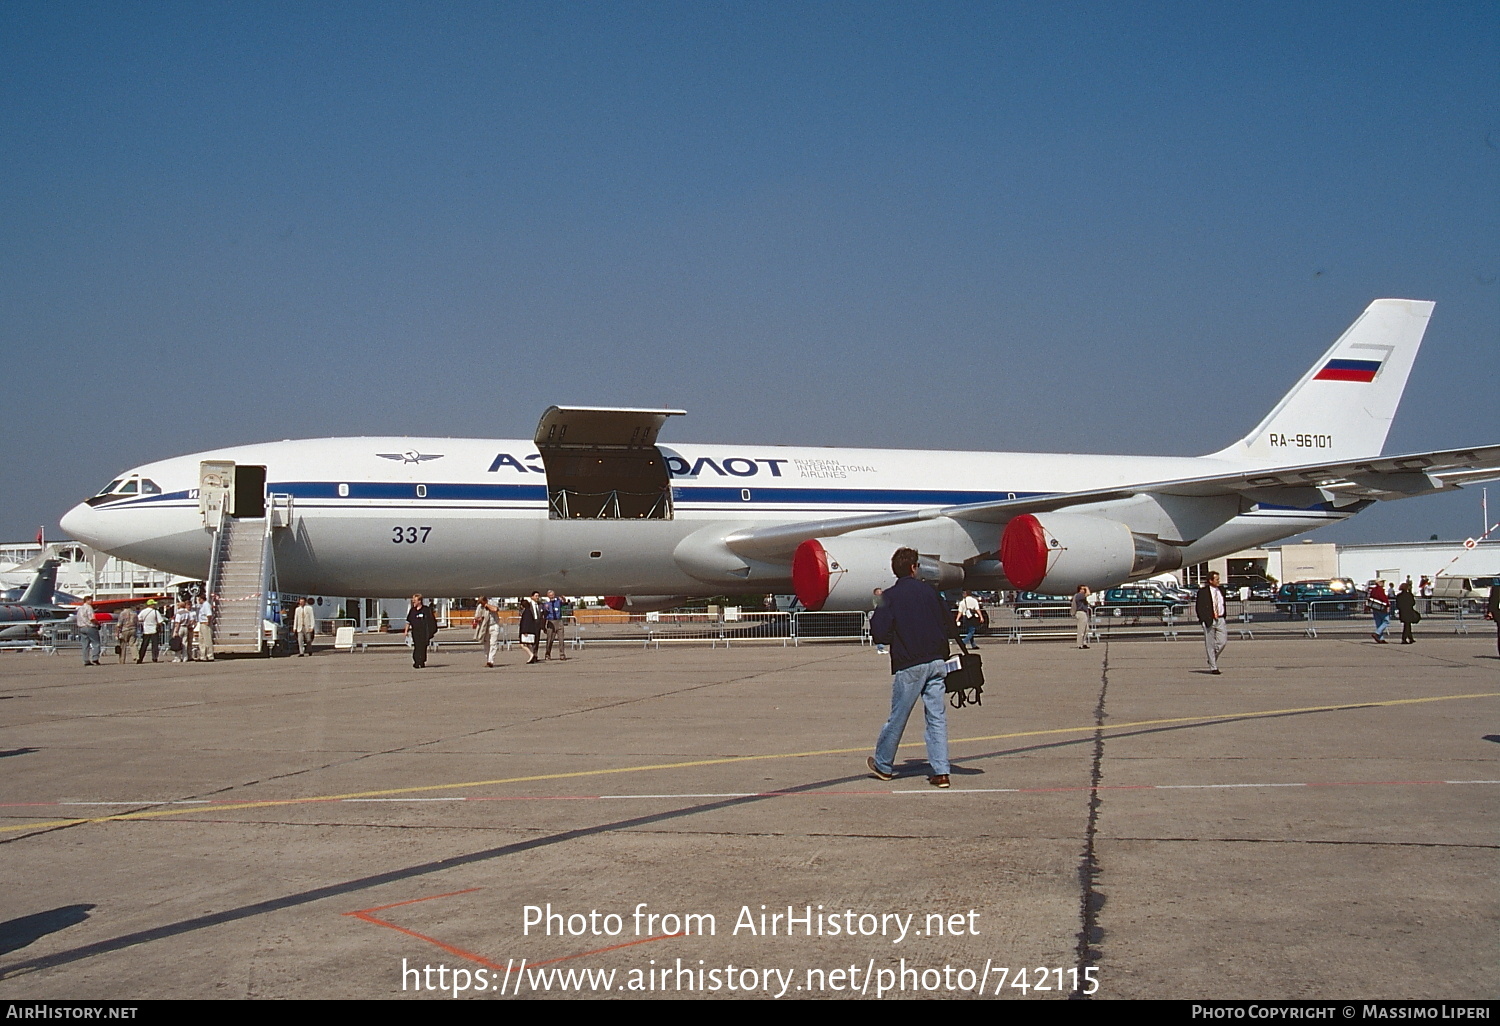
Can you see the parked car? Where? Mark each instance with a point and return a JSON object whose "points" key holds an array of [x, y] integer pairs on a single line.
{"points": [[1261, 590], [1323, 597], [1139, 600], [1184, 596], [1032, 603]]}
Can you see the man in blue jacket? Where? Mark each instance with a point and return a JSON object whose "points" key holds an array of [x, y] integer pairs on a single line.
{"points": [[913, 621]]}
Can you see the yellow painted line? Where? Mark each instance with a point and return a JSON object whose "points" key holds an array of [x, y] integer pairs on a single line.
{"points": [[1090, 728]]}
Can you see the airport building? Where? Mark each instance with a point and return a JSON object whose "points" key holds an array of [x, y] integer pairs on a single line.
{"points": [[83, 570], [1387, 561]]}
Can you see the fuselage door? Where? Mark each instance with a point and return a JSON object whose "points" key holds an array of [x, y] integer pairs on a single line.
{"points": [[229, 489], [249, 491], [602, 463], [215, 486]]}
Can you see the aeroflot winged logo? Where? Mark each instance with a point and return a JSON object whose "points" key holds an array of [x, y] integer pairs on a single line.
{"points": [[1348, 370], [409, 456]]}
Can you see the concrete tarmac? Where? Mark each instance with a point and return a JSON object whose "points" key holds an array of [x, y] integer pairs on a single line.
{"points": [[1318, 822]]}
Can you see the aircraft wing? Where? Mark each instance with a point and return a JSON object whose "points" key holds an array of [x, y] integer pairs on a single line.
{"points": [[1342, 484], [112, 604]]}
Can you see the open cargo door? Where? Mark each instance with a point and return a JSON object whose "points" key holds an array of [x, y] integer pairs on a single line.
{"points": [[602, 463]]}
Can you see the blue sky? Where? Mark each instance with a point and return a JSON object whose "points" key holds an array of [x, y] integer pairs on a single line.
{"points": [[1085, 227]]}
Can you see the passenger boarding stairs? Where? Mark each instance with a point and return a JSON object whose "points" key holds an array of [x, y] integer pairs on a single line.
{"points": [[241, 579]]}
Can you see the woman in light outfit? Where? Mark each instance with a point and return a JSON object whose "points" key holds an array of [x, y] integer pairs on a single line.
{"points": [[487, 629], [1081, 610]]}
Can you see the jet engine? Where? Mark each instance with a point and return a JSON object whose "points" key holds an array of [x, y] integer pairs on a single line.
{"points": [[843, 573], [1054, 553]]}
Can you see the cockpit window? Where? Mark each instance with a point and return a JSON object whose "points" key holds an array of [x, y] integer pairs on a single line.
{"points": [[121, 487]]}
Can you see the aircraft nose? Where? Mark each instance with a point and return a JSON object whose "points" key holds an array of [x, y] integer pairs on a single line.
{"points": [[81, 523]]}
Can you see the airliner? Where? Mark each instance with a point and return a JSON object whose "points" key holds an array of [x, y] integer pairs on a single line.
{"points": [[597, 503]]}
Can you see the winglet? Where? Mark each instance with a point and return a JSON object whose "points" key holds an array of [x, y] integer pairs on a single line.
{"points": [[1343, 407]]}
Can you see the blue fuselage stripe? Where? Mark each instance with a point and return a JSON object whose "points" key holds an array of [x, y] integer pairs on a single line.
{"points": [[460, 492], [689, 496]]}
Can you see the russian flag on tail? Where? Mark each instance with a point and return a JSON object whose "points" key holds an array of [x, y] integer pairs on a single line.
{"points": [[1348, 370]]}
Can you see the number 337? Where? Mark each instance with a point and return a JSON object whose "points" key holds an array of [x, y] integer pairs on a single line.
{"points": [[409, 535]]}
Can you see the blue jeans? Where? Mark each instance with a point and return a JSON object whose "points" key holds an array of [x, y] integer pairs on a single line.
{"points": [[970, 625], [924, 681], [91, 645], [1382, 624]]}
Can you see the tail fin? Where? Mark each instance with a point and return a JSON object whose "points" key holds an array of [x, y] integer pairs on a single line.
{"points": [[1343, 407], [39, 591]]}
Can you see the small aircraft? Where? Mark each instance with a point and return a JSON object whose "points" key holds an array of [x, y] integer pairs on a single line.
{"points": [[36, 605], [41, 603], [595, 503]]}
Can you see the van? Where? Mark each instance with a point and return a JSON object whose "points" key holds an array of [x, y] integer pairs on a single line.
{"points": [[1469, 594]]}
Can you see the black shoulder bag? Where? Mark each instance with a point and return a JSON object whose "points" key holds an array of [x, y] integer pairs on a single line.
{"points": [[966, 684]]}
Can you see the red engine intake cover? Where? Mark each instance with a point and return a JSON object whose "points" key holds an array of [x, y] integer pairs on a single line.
{"points": [[1023, 552], [615, 601], [810, 574]]}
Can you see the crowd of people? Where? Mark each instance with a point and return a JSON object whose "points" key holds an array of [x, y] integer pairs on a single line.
{"points": [[184, 626], [1381, 604], [539, 618]]}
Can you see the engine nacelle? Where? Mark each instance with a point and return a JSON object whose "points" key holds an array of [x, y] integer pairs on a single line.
{"points": [[643, 603], [843, 573], [1054, 553]]}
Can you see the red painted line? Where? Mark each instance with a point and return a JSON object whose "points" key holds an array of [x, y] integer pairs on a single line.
{"points": [[411, 901], [365, 916], [460, 952], [612, 947], [1043, 791]]}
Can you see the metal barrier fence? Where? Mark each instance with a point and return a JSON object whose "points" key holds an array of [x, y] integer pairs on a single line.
{"points": [[653, 629], [1312, 619], [1248, 620]]}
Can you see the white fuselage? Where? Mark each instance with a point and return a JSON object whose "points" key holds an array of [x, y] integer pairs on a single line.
{"points": [[473, 519]]}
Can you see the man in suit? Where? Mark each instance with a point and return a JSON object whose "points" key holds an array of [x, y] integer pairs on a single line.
{"points": [[1212, 610], [421, 625]]}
